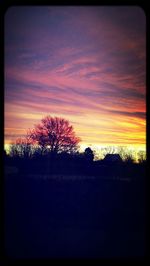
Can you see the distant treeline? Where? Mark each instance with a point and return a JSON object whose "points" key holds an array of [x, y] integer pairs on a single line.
{"points": [[37, 161], [52, 147]]}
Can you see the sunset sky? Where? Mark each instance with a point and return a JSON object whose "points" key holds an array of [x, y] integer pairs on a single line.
{"points": [[86, 64]]}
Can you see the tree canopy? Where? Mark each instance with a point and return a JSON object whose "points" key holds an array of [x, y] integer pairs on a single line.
{"points": [[56, 134]]}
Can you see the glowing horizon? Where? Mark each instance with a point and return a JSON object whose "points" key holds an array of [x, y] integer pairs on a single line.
{"points": [[85, 64]]}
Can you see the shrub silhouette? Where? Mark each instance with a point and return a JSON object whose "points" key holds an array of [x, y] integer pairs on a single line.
{"points": [[88, 154]]}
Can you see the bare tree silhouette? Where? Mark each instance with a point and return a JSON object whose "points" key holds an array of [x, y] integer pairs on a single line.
{"points": [[141, 157], [56, 134], [22, 147], [108, 150]]}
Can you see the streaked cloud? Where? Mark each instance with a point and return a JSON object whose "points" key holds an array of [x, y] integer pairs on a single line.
{"points": [[84, 63]]}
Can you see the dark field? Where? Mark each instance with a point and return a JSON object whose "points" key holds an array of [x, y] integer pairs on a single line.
{"points": [[77, 218]]}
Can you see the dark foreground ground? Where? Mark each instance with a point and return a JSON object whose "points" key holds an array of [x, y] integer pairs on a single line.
{"points": [[90, 218]]}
